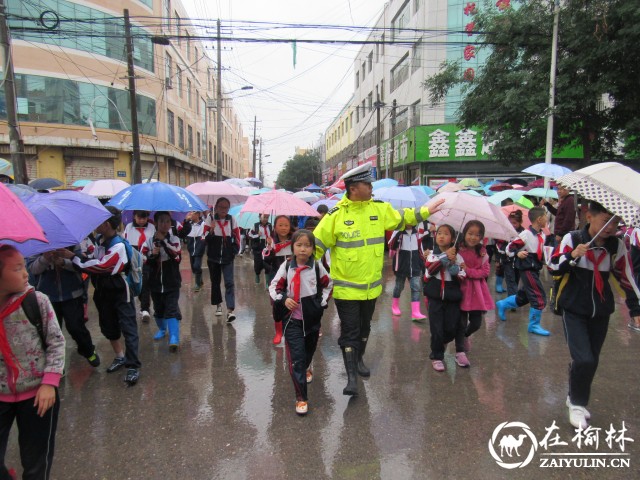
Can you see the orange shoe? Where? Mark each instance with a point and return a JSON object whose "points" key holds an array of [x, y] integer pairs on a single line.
{"points": [[309, 376], [302, 407]]}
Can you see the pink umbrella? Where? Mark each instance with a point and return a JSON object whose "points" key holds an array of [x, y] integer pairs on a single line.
{"points": [[279, 203], [459, 208], [451, 187], [105, 188], [209, 192], [19, 224]]}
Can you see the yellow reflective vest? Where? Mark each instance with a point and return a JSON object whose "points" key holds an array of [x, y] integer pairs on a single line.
{"points": [[355, 233]]}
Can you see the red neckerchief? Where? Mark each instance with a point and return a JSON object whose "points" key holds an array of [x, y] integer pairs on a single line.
{"points": [[222, 227], [266, 231], [142, 237], [9, 357], [540, 243], [295, 283], [281, 245], [597, 276]]}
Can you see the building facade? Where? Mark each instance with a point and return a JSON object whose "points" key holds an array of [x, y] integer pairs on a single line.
{"points": [[73, 100]]}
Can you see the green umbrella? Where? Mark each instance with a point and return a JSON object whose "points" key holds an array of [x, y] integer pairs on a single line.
{"points": [[470, 183]]}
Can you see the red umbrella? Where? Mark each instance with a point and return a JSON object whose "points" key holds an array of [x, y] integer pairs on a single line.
{"points": [[19, 224], [540, 183], [499, 187], [278, 203]]}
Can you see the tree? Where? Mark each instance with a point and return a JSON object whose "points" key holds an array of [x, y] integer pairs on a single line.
{"points": [[508, 97], [300, 171]]}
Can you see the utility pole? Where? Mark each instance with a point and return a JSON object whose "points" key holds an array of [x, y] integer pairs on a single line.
{"points": [[255, 171], [393, 134], [219, 110], [552, 88], [16, 147], [136, 166], [254, 152], [378, 139]]}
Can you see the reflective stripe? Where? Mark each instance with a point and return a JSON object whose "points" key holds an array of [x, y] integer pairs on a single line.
{"points": [[374, 241], [416, 212], [320, 244], [360, 286], [400, 226], [357, 243]]}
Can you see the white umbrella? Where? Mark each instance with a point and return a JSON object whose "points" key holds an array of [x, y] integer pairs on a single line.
{"points": [[611, 184], [239, 182], [105, 188], [305, 196], [209, 192], [459, 208]]}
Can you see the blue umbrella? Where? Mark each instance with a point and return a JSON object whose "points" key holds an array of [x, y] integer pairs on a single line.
{"points": [[550, 170], [385, 182], [402, 197], [261, 190], [66, 217], [81, 183], [254, 181], [499, 197], [428, 190], [45, 183], [326, 201], [157, 196]]}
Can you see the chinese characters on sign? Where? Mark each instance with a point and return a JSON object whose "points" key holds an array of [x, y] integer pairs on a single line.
{"points": [[465, 143]]}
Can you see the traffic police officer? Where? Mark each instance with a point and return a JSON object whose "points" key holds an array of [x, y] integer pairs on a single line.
{"points": [[354, 231]]}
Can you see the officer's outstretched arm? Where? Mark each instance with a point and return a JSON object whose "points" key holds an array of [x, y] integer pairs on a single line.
{"points": [[324, 236]]}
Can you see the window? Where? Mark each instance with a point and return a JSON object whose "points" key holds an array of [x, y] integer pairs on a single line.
{"points": [[178, 28], [188, 47], [415, 113], [401, 120], [210, 153], [370, 101], [190, 139], [382, 45], [168, 69], [181, 133], [400, 21], [351, 120], [416, 6], [171, 134], [357, 78], [370, 61], [364, 70], [357, 114], [189, 99], [166, 13], [197, 103], [416, 56], [400, 72], [196, 58], [179, 81], [198, 153]]}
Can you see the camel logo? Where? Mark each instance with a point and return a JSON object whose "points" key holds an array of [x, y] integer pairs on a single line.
{"points": [[511, 440]]}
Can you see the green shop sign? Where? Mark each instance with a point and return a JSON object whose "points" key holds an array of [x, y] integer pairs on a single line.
{"points": [[444, 142]]}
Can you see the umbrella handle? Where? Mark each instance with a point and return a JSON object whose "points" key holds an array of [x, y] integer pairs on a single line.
{"points": [[573, 262], [460, 229]]}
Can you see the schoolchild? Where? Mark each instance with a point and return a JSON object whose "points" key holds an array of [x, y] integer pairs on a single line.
{"points": [[276, 252], [137, 233], [528, 250], [32, 365], [58, 279], [195, 246], [442, 287], [261, 231], [476, 297], [504, 264], [300, 291], [634, 245], [222, 236], [112, 296], [165, 279], [586, 299], [407, 264]]}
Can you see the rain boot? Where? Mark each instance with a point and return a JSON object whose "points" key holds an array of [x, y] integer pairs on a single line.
{"points": [[395, 307], [162, 328], [534, 323], [416, 314], [509, 302], [198, 282], [278, 336], [363, 370], [174, 334], [349, 355], [499, 288]]}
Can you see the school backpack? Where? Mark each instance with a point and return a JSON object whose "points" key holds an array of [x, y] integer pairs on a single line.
{"points": [[133, 271], [32, 311]]}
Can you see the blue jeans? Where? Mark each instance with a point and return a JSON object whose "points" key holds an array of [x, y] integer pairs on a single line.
{"points": [[216, 272], [414, 282]]}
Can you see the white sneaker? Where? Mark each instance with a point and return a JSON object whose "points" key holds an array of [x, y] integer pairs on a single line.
{"points": [[145, 316], [577, 417], [218, 310], [587, 415]]}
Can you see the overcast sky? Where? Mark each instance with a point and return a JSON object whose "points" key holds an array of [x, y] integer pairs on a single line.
{"points": [[293, 106]]}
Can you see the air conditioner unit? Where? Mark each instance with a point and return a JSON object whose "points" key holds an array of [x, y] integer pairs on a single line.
{"points": [[168, 84], [211, 103]]}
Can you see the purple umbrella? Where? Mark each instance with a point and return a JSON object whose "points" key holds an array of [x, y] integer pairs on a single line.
{"points": [[66, 217]]}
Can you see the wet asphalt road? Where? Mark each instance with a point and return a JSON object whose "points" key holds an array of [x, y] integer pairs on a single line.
{"points": [[223, 407]]}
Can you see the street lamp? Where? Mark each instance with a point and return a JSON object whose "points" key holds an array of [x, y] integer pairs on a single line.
{"points": [[266, 163], [219, 119]]}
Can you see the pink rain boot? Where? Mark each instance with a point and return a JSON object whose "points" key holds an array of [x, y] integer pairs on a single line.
{"points": [[395, 307], [416, 314]]}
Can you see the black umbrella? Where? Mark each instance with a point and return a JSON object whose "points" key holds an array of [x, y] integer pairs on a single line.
{"points": [[45, 183], [519, 181]]}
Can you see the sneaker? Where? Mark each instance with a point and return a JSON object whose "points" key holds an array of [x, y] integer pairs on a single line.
{"points": [[231, 317], [467, 344], [197, 288], [577, 417], [132, 376], [94, 360], [145, 316], [633, 326], [309, 376], [258, 279], [586, 412], [462, 360], [218, 310], [302, 408], [438, 365], [116, 365]]}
